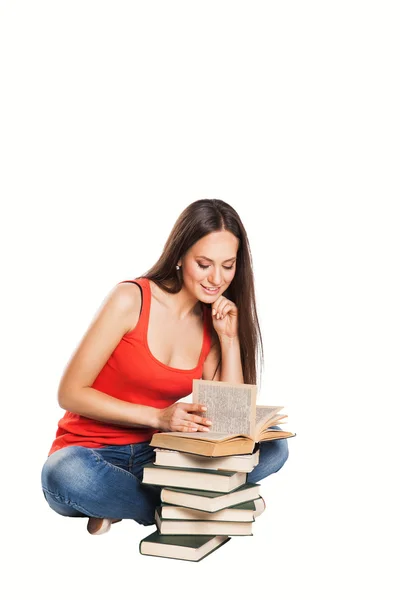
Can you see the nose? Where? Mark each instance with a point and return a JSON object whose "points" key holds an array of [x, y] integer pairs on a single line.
{"points": [[215, 278]]}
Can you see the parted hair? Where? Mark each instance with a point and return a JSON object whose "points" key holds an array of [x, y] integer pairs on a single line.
{"points": [[197, 220]]}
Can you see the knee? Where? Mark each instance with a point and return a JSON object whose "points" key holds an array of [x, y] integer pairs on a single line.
{"points": [[274, 454], [64, 469], [282, 453]]}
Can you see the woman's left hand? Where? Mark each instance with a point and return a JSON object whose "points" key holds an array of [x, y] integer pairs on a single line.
{"points": [[225, 317]]}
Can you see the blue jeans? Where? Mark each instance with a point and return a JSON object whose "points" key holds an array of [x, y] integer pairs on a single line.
{"points": [[106, 482]]}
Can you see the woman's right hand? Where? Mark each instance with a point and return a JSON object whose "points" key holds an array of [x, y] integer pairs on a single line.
{"points": [[180, 417]]}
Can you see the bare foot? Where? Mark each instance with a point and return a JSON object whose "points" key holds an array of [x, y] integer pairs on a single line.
{"points": [[98, 526]]}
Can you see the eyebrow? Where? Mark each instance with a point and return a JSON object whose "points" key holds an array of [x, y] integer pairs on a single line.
{"points": [[233, 258]]}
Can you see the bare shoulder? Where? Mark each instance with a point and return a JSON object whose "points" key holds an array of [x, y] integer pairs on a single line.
{"points": [[112, 321], [127, 300], [127, 294], [123, 303]]}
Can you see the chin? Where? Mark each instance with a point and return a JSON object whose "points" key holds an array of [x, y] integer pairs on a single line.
{"points": [[208, 300]]}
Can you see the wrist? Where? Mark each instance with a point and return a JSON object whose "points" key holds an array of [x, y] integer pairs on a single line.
{"points": [[228, 340], [145, 416], [154, 417]]}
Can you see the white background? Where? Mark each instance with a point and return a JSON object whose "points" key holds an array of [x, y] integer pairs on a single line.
{"points": [[114, 117]]}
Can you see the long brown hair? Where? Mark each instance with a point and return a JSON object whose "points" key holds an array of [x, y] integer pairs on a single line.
{"points": [[197, 220]]}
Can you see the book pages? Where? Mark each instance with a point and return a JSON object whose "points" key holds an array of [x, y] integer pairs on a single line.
{"points": [[210, 436], [278, 420], [266, 416], [230, 407]]}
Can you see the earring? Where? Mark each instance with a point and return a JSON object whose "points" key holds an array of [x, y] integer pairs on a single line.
{"points": [[177, 267]]}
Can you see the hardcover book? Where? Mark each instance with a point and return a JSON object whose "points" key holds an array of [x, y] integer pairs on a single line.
{"points": [[183, 547], [209, 501], [239, 512], [181, 527], [198, 479], [243, 463], [238, 423]]}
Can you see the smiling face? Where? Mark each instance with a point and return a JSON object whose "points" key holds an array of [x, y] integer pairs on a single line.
{"points": [[210, 263]]}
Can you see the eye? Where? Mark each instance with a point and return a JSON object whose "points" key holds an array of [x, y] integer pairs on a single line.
{"points": [[206, 267]]}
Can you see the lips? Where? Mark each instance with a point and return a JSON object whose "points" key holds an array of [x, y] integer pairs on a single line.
{"points": [[210, 291]]}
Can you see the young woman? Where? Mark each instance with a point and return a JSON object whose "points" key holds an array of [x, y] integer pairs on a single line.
{"points": [[191, 316]]}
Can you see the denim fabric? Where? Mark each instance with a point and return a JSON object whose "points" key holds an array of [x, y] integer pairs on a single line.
{"points": [[106, 482], [101, 482], [273, 456]]}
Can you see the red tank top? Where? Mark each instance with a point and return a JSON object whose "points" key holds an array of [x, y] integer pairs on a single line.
{"points": [[133, 374]]}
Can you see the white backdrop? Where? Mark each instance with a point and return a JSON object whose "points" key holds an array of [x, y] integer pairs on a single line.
{"points": [[114, 117]]}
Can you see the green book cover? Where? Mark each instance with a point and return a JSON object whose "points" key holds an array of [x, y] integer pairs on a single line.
{"points": [[189, 541], [242, 506], [207, 500], [195, 542], [211, 494]]}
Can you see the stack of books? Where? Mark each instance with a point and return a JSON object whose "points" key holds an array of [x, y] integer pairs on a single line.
{"points": [[205, 497], [204, 501]]}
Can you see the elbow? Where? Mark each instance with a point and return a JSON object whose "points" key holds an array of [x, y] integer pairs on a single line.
{"points": [[71, 399], [63, 394], [65, 399]]}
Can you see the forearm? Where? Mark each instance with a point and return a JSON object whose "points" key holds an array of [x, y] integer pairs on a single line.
{"points": [[93, 404], [231, 364]]}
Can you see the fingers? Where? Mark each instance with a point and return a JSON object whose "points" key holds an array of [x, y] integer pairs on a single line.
{"points": [[196, 419], [187, 421], [221, 308], [190, 427], [194, 423], [193, 407]]}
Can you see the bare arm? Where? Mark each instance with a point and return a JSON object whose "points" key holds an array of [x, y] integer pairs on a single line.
{"points": [[231, 364], [93, 404], [223, 362], [117, 315]]}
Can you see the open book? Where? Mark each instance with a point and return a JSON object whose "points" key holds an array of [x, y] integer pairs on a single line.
{"points": [[238, 423]]}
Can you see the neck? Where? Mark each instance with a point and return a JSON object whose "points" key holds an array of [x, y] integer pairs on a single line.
{"points": [[184, 305]]}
